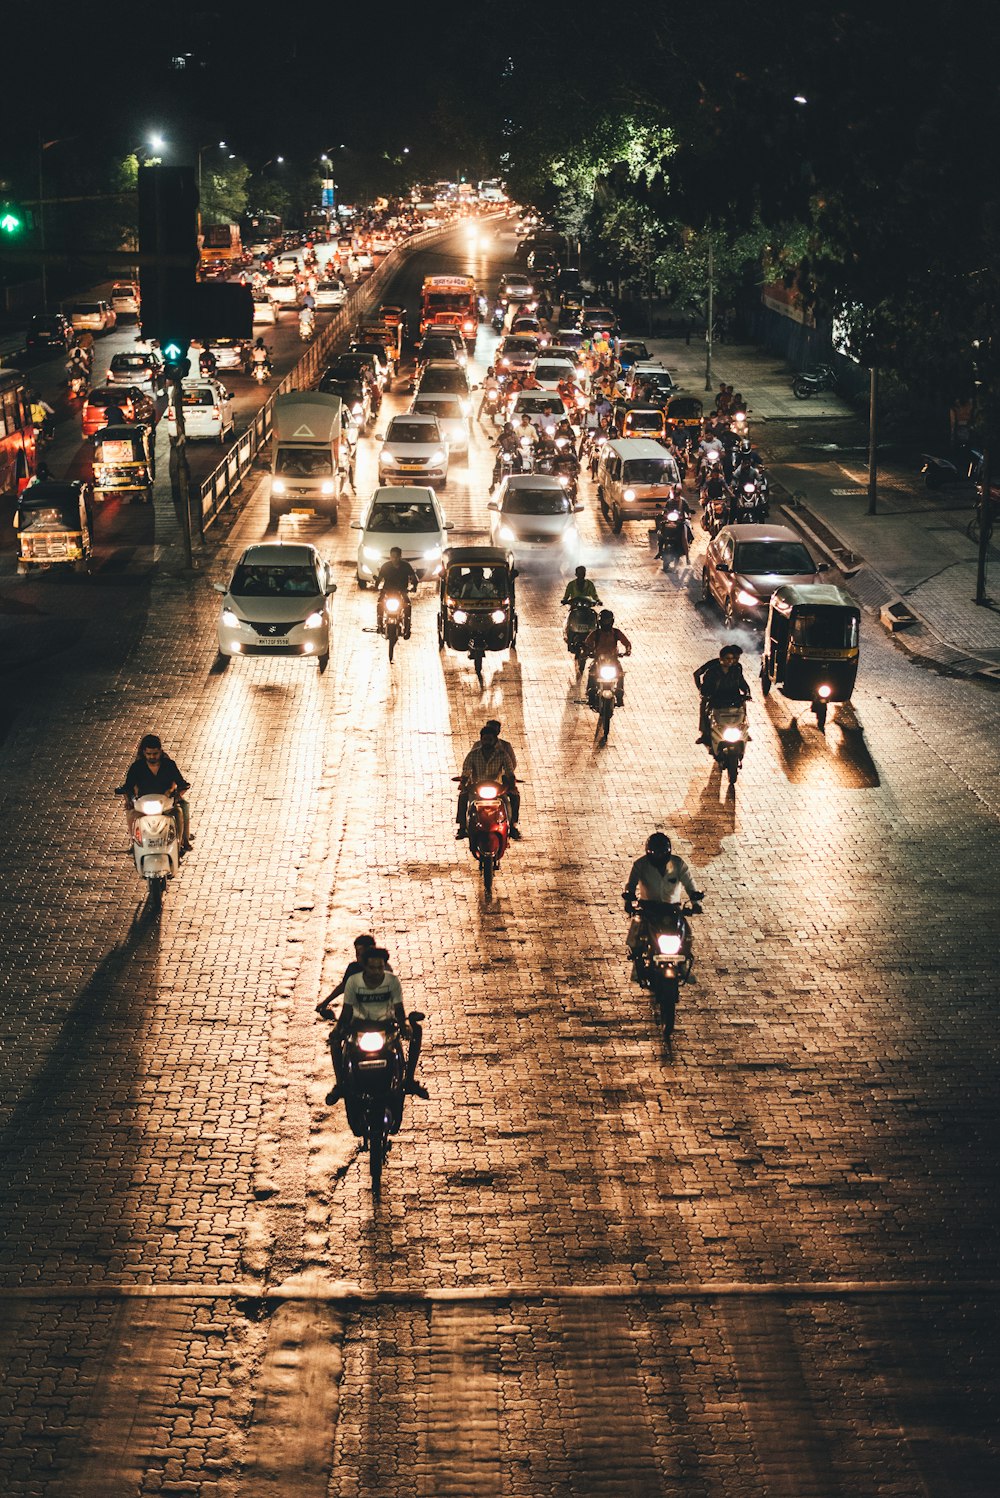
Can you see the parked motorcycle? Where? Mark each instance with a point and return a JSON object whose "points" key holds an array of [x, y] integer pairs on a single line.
{"points": [[937, 472], [154, 840], [728, 732], [664, 956], [580, 621], [814, 382]]}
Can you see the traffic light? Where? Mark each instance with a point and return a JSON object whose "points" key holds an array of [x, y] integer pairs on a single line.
{"points": [[176, 363], [11, 219], [168, 254]]}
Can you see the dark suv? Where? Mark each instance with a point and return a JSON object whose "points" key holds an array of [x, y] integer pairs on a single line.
{"points": [[49, 330]]}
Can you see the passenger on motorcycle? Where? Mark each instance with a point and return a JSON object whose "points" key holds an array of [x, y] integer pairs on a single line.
{"points": [[602, 645], [362, 945], [487, 762], [153, 773], [722, 684], [375, 995], [396, 577], [658, 876]]}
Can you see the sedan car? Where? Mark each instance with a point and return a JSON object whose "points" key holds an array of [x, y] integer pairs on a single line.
{"points": [[133, 403], [92, 317], [264, 311], [518, 351], [440, 343], [452, 417], [143, 370], [330, 292], [230, 353], [410, 518], [549, 372], [125, 298], [413, 448], [516, 288], [277, 603], [283, 291], [745, 563], [49, 330], [539, 406], [442, 377], [208, 411], [535, 518]]}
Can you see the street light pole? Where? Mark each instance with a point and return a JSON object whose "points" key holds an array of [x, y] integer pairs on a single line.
{"points": [[41, 225], [873, 439], [711, 314]]}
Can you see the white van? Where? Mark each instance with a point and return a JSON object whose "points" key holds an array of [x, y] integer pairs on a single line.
{"points": [[634, 480]]}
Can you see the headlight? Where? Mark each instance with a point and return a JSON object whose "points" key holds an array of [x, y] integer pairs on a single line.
{"points": [[152, 806], [669, 944], [530, 290], [432, 554], [506, 534], [386, 460], [823, 691], [629, 495], [371, 1041], [564, 481], [748, 600], [607, 672], [327, 486], [313, 621], [498, 616], [438, 456], [460, 616], [466, 407], [505, 362], [487, 792], [277, 486], [550, 431], [391, 605], [229, 619], [358, 408], [372, 553], [674, 515]]}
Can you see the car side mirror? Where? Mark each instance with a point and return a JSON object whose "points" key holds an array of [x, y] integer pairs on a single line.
{"points": [[823, 567], [493, 505], [379, 436], [578, 509], [220, 588], [449, 525], [330, 589], [722, 567], [356, 525]]}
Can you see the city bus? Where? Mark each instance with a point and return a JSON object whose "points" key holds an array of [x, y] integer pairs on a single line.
{"points": [[17, 433], [221, 246]]}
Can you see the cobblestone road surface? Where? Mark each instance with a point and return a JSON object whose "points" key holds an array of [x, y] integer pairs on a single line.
{"points": [[764, 1263]]}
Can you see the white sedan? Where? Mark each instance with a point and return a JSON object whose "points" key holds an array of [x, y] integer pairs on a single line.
{"points": [[534, 517], [330, 293], [404, 516], [208, 411]]}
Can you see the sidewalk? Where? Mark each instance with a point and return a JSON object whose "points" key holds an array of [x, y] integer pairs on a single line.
{"points": [[915, 549]]}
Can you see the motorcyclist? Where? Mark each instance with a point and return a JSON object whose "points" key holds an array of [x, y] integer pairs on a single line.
{"points": [[260, 354], [78, 365], [508, 443], [722, 684], [207, 362], [154, 773], [396, 577], [665, 527], [580, 589], [487, 762], [491, 385], [602, 645], [658, 876], [374, 995]]}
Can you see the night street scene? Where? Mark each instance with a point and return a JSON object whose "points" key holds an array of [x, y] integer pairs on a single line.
{"points": [[500, 655]]}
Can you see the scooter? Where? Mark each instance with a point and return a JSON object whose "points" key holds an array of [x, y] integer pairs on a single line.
{"points": [[154, 840], [261, 371], [606, 685], [488, 824], [728, 732], [307, 325], [580, 621], [663, 958]]}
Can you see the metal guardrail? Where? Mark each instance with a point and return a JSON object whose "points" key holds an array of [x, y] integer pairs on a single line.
{"points": [[227, 477]]}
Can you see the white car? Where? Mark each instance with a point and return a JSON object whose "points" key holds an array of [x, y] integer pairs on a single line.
{"points": [[330, 293], [277, 603], [264, 311], [283, 291], [92, 317], [452, 412], [549, 371], [125, 299], [230, 353], [409, 518], [413, 448], [208, 411], [535, 403], [534, 517]]}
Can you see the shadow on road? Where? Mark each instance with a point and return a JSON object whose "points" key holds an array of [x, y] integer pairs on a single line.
{"points": [[807, 753]]}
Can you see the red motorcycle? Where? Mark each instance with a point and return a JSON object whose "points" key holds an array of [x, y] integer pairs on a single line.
{"points": [[488, 823]]}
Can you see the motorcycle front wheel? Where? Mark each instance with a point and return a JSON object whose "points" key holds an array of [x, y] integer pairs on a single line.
{"points": [[376, 1153], [391, 633], [802, 388], [487, 867], [605, 712], [819, 708], [665, 993]]}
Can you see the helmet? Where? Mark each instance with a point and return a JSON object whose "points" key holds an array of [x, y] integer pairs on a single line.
{"points": [[658, 845], [746, 446], [606, 619]]}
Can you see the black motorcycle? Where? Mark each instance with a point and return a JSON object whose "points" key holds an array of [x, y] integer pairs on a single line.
{"points": [[375, 1087], [673, 531], [664, 958], [814, 382], [582, 620]]}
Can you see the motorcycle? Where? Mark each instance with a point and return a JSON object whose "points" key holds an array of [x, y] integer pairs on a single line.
{"points": [[581, 619], [607, 682], [497, 320], [492, 399], [374, 1088], [567, 470], [391, 619], [488, 823], [713, 515], [261, 371], [78, 381], [527, 447], [307, 325], [728, 734], [154, 840], [751, 503], [673, 530], [937, 472], [814, 382], [663, 958]]}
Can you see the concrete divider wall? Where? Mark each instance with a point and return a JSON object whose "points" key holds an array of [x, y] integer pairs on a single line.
{"points": [[224, 481]]}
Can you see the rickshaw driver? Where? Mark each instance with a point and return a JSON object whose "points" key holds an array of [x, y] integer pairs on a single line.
{"points": [[722, 684]]}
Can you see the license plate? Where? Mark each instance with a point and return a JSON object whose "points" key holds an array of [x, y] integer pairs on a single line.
{"points": [[411, 467], [153, 843], [264, 640], [302, 510]]}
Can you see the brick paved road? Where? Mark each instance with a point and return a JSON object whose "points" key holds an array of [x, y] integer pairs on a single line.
{"points": [[763, 1264]]}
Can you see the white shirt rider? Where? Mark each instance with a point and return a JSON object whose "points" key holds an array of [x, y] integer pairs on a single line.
{"points": [[646, 882]]}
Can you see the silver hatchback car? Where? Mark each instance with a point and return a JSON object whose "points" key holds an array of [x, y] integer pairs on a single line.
{"points": [[277, 603]]}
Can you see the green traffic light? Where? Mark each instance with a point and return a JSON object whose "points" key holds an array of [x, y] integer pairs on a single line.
{"points": [[10, 223], [172, 352]]}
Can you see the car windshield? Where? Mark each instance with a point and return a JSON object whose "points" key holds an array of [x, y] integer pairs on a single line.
{"points": [[447, 410], [786, 558], [250, 581], [477, 582], [86, 309], [647, 471], [635, 350], [302, 462], [130, 361], [402, 518], [684, 410], [521, 343], [536, 502], [447, 381], [552, 371], [412, 431], [827, 629], [537, 405]]}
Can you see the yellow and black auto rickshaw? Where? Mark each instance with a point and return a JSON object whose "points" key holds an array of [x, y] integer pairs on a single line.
{"points": [[811, 645], [393, 317], [124, 463], [685, 420], [478, 609], [54, 525]]}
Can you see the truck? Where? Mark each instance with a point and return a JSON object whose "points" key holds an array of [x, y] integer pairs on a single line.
{"points": [[221, 247], [306, 475], [451, 301]]}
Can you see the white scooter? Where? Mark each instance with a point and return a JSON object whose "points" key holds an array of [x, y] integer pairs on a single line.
{"points": [[307, 324], [729, 732], [154, 839]]}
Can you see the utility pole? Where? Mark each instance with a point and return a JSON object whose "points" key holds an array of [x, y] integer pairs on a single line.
{"points": [[41, 226], [873, 439], [711, 314], [985, 526]]}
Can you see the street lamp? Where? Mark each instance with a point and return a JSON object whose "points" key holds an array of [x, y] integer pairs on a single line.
{"points": [[157, 143]]}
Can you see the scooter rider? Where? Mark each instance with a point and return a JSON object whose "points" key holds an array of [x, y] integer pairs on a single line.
{"points": [[722, 684], [491, 386], [375, 995], [602, 644], [154, 773], [507, 442], [396, 577], [487, 762], [580, 589], [261, 354], [658, 876]]}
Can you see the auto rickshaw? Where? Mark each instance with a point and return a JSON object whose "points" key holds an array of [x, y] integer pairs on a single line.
{"points": [[643, 420], [478, 610], [393, 316], [55, 526], [124, 462], [811, 645], [685, 420]]}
